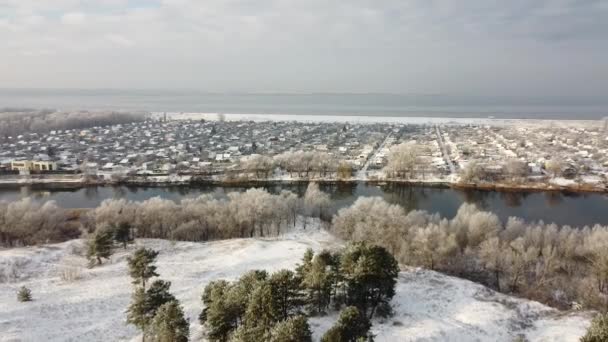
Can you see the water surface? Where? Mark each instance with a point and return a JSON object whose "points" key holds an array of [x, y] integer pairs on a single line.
{"points": [[563, 208]]}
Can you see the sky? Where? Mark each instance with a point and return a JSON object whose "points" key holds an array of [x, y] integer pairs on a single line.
{"points": [[480, 47]]}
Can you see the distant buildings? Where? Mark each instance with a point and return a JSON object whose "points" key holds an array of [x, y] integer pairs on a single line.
{"points": [[28, 165]]}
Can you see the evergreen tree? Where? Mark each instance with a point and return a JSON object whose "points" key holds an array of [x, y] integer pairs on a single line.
{"points": [[221, 315], [122, 234], [286, 295], [24, 294], [318, 285], [157, 295], [598, 331], [370, 274], [352, 326], [261, 314], [141, 266], [145, 304], [293, 329], [334, 274], [100, 245], [169, 324], [137, 310], [303, 268]]}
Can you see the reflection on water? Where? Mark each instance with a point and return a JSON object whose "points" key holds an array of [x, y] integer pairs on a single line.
{"points": [[574, 209]]}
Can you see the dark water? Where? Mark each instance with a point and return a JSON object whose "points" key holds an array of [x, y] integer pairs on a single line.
{"points": [[398, 105], [562, 208]]}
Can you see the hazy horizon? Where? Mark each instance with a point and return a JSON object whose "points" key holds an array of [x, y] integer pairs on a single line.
{"points": [[371, 104]]}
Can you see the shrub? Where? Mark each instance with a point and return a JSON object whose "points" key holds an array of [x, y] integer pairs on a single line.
{"points": [[598, 331], [24, 294]]}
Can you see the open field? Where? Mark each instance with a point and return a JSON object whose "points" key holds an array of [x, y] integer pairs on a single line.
{"points": [[72, 302]]}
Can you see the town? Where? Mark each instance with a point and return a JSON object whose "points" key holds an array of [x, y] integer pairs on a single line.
{"points": [[159, 150]]}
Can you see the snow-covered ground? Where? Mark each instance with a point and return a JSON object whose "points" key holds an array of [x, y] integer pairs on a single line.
{"points": [[73, 303]]}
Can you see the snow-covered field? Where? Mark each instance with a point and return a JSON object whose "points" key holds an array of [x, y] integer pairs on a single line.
{"points": [[73, 303]]}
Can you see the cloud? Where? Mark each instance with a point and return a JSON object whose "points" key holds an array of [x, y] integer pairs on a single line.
{"points": [[119, 40], [471, 46], [73, 18]]}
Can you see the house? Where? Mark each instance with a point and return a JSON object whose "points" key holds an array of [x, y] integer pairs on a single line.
{"points": [[27, 165]]}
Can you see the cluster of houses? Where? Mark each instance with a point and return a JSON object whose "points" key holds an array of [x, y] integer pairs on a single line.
{"points": [[162, 147], [581, 152]]}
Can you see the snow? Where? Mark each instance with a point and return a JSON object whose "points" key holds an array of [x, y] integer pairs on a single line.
{"points": [[562, 181], [428, 306]]}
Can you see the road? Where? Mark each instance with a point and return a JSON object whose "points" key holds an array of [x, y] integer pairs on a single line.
{"points": [[362, 174], [444, 151]]}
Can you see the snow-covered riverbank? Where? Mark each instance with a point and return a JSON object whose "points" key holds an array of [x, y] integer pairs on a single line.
{"points": [[72, 302]]}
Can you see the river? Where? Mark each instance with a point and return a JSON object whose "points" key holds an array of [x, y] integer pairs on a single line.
{"points": [[563, 208]]}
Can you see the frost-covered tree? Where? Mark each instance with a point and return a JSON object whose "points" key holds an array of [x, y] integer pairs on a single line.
{"points": [[372, 219], [492, 255], [261, 166], [555, 166], [431, 245], [516, 169], [315, 200], [27, 222]]}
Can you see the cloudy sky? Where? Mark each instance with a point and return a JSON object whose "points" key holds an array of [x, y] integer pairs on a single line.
{"points": [[486, 47]]}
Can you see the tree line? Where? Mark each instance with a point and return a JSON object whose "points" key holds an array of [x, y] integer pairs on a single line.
{"points": [[299, 164], [15, 122], [254, 212], [562, 266]]}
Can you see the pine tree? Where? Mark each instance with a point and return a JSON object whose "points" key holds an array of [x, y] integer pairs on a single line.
{"points": [[293, 329], [221, 314], [24, 294], [303, 268], [122, 234], [145, 304], [352, 326], [157, 295], [141, 266], [598, 331], [261, 315], [286, 295], [169, 324], [100, 245], [370, 274], [137, 311], [318, 285]]}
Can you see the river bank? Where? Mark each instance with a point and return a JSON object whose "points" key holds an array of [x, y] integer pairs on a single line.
{"points": [[80, 181]]}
